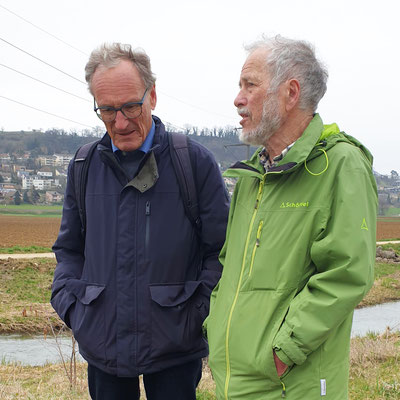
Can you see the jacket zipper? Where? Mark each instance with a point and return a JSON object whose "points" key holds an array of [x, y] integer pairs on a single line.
{"points": [[257, 244], [228, 366], [147, 236]]}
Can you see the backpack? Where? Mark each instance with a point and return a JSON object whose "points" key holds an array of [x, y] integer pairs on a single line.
{"points": [[179, 152]]}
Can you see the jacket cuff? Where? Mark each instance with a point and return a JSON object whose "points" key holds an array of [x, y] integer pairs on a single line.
{"points": [[286, 349], [61, 304]]}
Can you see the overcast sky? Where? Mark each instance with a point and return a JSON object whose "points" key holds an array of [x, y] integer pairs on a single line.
{"points": [[196, 48]]}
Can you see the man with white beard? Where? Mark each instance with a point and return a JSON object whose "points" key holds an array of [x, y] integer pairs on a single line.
{"points": [[300, 246]]}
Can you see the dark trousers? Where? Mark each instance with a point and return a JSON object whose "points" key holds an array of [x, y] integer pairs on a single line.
{"points": [[176, 383]]}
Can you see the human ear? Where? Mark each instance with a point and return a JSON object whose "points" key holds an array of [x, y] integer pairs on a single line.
{"points": [[153, 97], [292, 93]]}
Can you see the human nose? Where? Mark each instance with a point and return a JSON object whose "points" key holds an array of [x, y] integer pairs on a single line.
{"points": [[240, 99], [121, 122]]}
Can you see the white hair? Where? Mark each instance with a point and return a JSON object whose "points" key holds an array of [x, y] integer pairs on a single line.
{"points": [[294, 59]]}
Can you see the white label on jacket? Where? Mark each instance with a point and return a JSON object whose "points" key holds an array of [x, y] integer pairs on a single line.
{"points": [[323, 387]]}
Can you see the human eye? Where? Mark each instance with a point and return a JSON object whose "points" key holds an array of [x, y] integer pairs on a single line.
{"points": [[106, 111], [131, 109], [248, 83]]}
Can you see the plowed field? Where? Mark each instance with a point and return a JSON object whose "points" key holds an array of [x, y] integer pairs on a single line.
{"points": [[388, 228], [28, 231], [36, 231]]}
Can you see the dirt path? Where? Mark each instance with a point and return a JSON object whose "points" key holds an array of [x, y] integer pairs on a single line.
{"points": [[27, 255], [51, 255]]}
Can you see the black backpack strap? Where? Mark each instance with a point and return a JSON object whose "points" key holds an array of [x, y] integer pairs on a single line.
{"points": [[179, 150], [81, 166]]}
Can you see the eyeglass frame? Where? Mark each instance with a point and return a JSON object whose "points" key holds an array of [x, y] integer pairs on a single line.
{"points": [[130, 103]]}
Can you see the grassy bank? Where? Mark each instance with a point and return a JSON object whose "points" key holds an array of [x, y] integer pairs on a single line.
{"points": [[25, 287], [386, 286], [374, 375], [25, 294]]}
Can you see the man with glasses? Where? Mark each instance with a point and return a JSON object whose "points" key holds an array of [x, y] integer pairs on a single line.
{"points": [[134, 285]]}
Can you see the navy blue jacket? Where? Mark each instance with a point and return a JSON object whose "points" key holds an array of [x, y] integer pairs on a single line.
{"points": [[136, 290]]}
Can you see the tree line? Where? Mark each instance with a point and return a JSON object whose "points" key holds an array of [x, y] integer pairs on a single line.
{"points": [[60, 141]]}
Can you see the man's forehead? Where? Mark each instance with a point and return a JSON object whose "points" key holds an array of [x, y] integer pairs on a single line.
{"points": [[121, 68], [253, 71], [255, 62]]}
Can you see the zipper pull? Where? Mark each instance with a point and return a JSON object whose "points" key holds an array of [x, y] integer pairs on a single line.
{"points": [[258, 237], [147, 208], [260, 188], [283, 390]]}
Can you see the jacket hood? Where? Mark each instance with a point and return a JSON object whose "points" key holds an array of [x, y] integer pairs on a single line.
{"points": [[332, 135]]}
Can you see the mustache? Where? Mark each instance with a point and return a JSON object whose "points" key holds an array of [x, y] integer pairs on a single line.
{"points": [[243, 111]]}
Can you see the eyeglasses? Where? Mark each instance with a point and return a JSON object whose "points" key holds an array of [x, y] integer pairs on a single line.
{"points": [[129, 110]]}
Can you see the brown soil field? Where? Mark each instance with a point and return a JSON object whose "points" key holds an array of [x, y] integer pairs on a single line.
{"points": [[37, 231], [388, 228], [28, 231]]}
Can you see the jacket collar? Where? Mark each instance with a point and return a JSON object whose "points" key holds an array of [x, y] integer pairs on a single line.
{"points": [[159, 140], [298, 153]]}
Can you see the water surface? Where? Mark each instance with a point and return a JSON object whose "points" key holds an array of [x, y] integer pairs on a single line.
{"points": [[35, 350]]}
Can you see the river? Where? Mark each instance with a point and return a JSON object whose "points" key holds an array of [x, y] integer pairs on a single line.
{"points": [[37, 350]]}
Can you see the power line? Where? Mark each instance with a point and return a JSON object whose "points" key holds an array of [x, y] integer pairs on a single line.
{"points": [[44, 62], [44, 83], [45, 112], [197, 107], [41, 29], [54, 36]]}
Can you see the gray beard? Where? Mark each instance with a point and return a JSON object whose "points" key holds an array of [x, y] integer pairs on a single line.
{"points": [[269, 124]]}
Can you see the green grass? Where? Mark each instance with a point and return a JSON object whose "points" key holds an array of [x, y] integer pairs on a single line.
{"points": [[388, 218], [386, 286], [24, 250], [393, 246], [25, 288], [384, 269], [374, 371], [27, 210], [31, 207], [392, 211], [28, 281]]}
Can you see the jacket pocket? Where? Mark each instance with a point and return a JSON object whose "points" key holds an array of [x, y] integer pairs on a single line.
{"points": [[177, 315], [87, 316]]}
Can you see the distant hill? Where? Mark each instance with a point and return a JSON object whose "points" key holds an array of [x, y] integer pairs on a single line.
{"points": [[58, 142]]}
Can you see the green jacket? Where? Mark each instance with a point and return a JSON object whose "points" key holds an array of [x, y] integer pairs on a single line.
{"points": [[298, 257]]}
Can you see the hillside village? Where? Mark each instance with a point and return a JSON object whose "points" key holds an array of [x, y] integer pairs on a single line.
{"points": [[28, 179], [26, 176]]}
